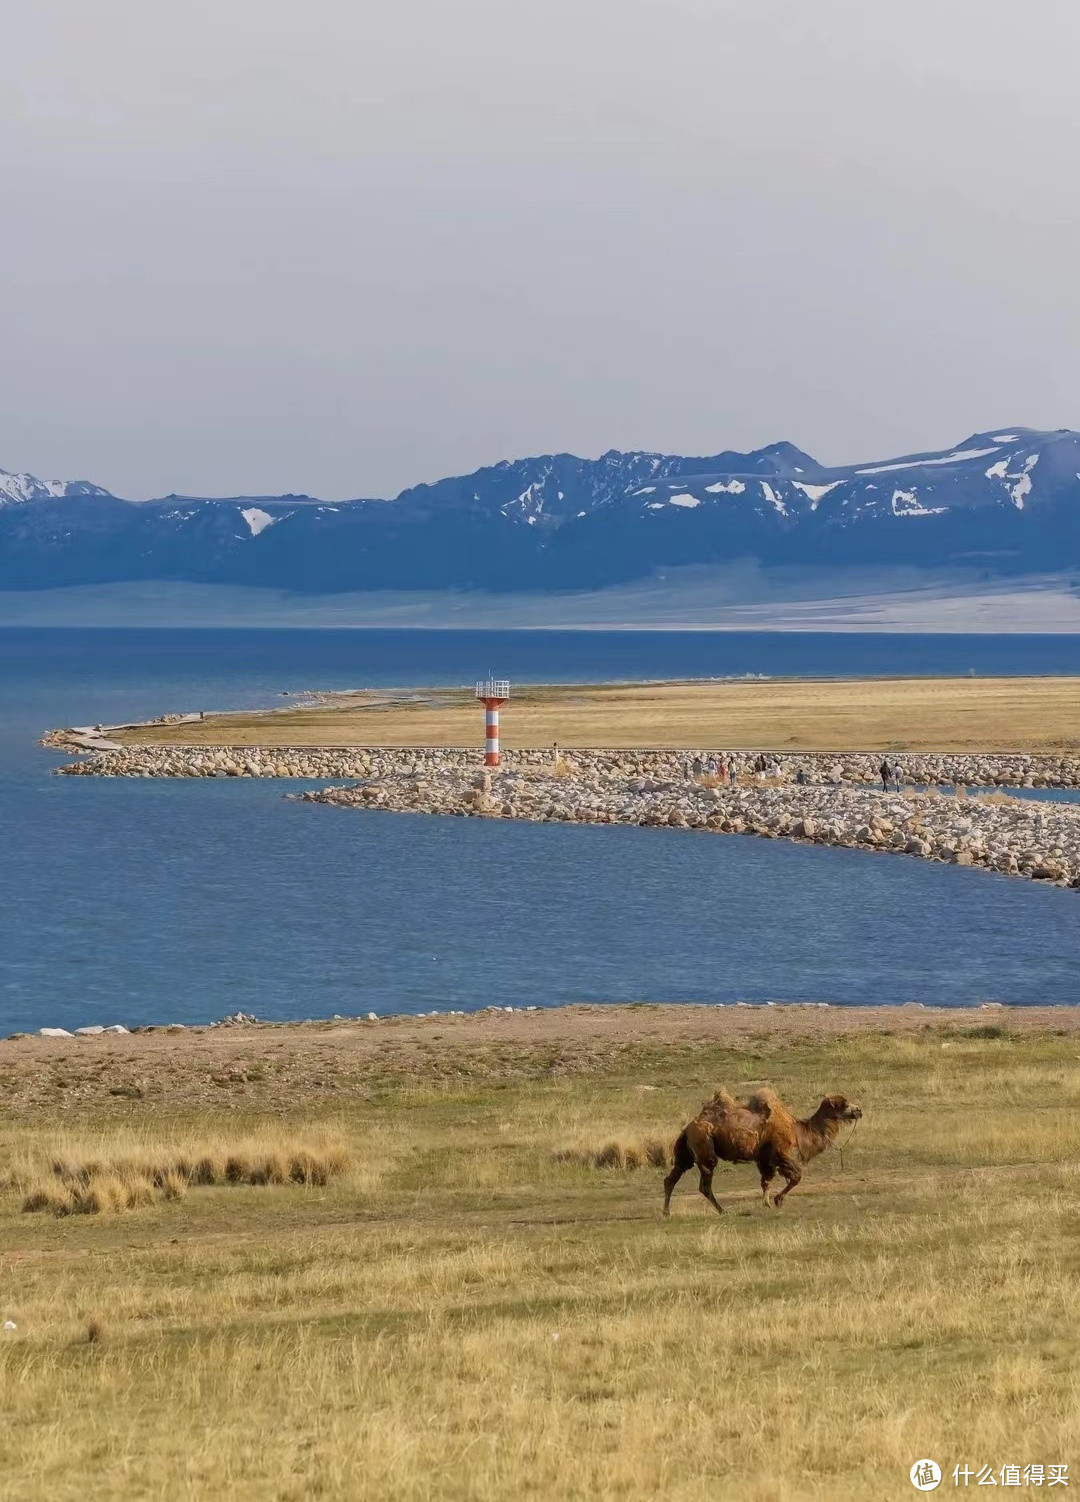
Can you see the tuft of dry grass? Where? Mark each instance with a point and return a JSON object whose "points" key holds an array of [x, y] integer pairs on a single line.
{"points": [[621, 1154], [119, 1178], [95, 1330]]}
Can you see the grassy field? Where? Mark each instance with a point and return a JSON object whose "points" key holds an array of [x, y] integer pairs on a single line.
{"points": [[458, 1310], [901, 714]]}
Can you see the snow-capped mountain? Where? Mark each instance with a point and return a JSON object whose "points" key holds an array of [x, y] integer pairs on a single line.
{"points": [[15, 489], [1003, 501]]}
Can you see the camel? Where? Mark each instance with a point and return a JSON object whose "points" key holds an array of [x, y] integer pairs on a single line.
{"points": [[762, 1131]]}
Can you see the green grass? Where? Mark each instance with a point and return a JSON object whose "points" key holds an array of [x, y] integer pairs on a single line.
{"points": [[463, 1314]]}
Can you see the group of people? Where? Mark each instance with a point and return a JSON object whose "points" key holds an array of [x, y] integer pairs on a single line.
{"points": [[891, 775], [726, 769], [723, 768]]}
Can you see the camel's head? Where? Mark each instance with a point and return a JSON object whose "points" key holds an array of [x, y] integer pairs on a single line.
{"points": [[838, 1108]]}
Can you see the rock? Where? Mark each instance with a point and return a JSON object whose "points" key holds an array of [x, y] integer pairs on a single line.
{"points": [[93, 1031], [54, 1032]]}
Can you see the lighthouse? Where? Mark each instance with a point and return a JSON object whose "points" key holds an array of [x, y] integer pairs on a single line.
{"points": [[492, 692]]}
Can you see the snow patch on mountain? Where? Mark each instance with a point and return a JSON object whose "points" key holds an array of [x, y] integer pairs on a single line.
{"points": [[815, 494], [907, 503], [771, 496], [257, 519], [683, 500], [1022, 489], [957, 457], [726, 487]]}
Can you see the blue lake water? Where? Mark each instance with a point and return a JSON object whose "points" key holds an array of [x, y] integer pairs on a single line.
{"points": [[138, 901]]}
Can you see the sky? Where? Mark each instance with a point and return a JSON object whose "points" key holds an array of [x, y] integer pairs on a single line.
{"points": [[251, 246]]}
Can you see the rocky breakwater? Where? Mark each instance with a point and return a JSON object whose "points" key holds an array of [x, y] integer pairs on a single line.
{"points": [[315, 762], [983, 769], [1012, 836], [836, 805]]}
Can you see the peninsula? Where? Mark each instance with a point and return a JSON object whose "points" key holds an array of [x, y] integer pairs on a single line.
{"points": [[793, 760]]}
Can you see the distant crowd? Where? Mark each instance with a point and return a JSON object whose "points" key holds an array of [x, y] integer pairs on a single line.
{"points": [[728, 769]]}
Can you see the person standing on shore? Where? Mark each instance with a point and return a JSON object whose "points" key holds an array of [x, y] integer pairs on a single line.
{"points": [[886, 774]]}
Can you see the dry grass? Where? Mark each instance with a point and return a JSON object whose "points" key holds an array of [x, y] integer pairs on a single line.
{"points": [[620, 1154], [900, 714], [472, 1311], [123, 1177]]}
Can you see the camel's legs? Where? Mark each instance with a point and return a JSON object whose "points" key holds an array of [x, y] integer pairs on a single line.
{"points": [[682, 1160], [766, 1180], [791, 1173], [669, 1184], [705, 1186]]}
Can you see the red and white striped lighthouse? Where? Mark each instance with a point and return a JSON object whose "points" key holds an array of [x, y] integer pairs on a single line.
{"points": [[493, 692]]}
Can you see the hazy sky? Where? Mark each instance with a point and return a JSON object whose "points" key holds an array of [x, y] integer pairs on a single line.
{"points": [[258, 245]]}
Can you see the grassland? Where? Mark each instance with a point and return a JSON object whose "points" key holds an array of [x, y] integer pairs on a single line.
{"points": [[900, 714], [465, 1312]]}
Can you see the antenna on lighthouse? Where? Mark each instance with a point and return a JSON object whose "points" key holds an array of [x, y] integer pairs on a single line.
{"points": [[492, 692]]}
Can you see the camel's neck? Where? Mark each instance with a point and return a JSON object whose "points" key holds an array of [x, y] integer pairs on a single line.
{"points": [[816, 1134]]}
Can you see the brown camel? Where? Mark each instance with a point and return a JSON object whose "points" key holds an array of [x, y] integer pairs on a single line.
{"points": [[762, 1132]]}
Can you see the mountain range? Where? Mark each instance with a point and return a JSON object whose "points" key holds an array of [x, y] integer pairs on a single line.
{"points": [[1003, 502]]}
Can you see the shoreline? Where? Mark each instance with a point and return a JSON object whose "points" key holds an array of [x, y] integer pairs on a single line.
{"points": [[311, 1063], [541, 1019]]}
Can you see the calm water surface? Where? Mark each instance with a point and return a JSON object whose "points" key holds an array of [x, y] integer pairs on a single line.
{"points": [[146, 901]]}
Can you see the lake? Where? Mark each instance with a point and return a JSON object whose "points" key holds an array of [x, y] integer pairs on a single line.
{"points": [[146, 901]]}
